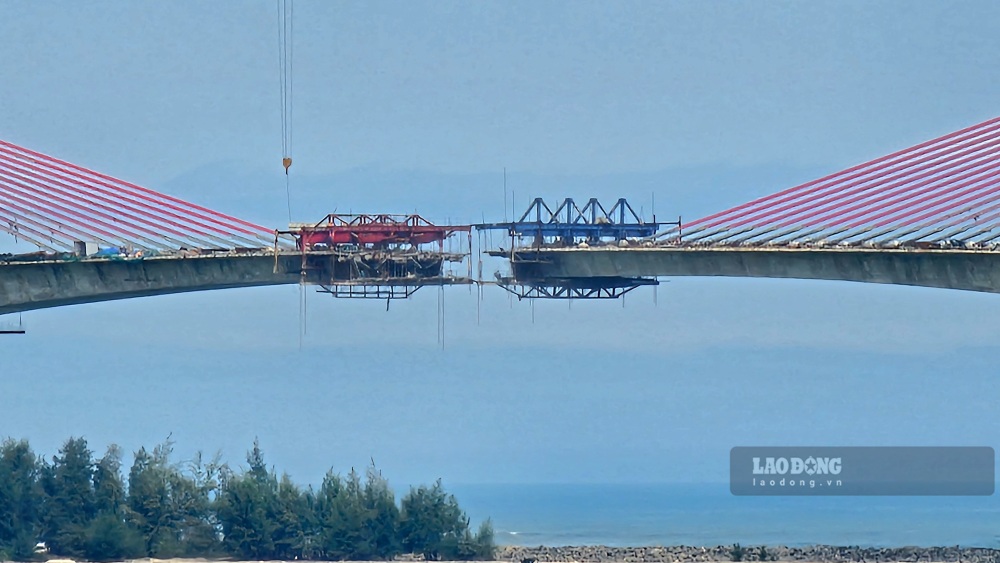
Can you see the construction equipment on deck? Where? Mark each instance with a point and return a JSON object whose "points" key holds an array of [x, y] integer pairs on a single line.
{"points": [[569, 226], [377, 256]]}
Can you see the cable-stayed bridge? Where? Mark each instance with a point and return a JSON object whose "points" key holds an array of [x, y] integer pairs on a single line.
{"points": [[928, 215]]}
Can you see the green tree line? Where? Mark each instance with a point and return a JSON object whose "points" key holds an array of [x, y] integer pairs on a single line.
{"points": [[90, 508]]}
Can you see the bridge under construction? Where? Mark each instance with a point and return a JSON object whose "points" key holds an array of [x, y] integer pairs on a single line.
{"points": [[928, 215]]}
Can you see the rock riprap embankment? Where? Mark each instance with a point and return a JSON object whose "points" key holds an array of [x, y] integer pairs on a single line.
{"points": [[689, 554]]}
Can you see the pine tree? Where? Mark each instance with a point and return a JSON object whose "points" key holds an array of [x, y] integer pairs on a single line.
{"points": [[247, 510], [69, 504], [170, 509], [331, 517], [109, 489], [382, 515], [295, 531], [109, 537], [20, 499], [431, 523]]}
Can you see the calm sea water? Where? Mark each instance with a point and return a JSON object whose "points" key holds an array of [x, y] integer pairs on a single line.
{"points": [[634, 515]]}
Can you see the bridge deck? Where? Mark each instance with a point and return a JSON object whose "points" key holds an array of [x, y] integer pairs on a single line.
{"points": [[25, 286], [965, 269]]}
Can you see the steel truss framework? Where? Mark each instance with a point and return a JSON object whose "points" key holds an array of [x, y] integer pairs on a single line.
{"points": [[386, 289], [372, 230], [573, 288], [569, 223], [371, 256]]}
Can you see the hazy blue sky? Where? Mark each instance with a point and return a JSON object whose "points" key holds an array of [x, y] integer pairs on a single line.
{"points": [[419, 105]]}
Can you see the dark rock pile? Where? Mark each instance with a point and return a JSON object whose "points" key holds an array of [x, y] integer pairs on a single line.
{"points": [[688, 554]]}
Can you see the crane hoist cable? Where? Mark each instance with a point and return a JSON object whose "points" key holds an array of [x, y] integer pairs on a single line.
{"points": [[286, 10], [285, 30]]}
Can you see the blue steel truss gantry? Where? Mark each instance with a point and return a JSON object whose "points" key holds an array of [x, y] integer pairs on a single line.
{"points": [[570, 223]]}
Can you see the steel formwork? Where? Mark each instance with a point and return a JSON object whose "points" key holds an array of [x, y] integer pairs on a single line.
{"points": [[375, 256], [569, 225]]}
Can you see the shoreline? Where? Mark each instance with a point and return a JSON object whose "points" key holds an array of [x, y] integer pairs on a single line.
{"points": [[695, 554], [689, 554]]}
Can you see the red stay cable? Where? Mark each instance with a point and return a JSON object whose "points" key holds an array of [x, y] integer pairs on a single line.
{"points": [[848, 174], [23, 172], [43, 208], [864, 184], [140, 192], [835, 210]]}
